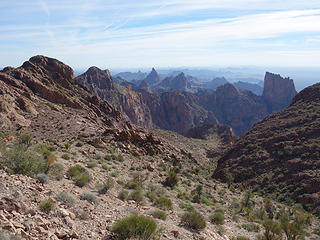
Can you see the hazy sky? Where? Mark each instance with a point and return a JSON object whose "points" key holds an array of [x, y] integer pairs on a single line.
{"points": [[143, 33]]}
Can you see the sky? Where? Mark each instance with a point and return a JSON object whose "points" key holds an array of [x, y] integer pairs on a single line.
{"points": [[162, 33]]}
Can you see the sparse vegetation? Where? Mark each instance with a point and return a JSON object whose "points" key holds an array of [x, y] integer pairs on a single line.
{"points": [[134, 226], [91, 198], [43, 178], [172, 179], [136, 195], [123, 195], [56, 171], [163, 203], [217, 218], [46, 206], [193, 220], [159, 214], [65, 198], [106, 186]]}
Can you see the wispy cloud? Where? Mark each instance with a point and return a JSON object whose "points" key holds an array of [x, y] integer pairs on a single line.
{"points": [[163, 32], [44, 7]]}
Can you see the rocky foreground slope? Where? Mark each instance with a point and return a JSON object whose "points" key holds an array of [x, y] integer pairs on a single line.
{"points": [[281, 154]]}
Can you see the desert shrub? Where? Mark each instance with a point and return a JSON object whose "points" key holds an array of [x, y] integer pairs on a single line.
{"points": [[21, 161], [67, 145], [172, 179], [123, 195], [251, 227], [25, 139], [43, 178], [65, 156], [193, 220], [91, 198], [134, 226], [186, 206], [106, 186], [110, 157], [206, 201], [75, 171], [136, 195], [159, 214], [56, 171], [133, 185], [79, 144], [46, 206], [241, 238], [272, 230], [163, 203], [217, 218], [82, 180], [65, 198], [91, 165]]}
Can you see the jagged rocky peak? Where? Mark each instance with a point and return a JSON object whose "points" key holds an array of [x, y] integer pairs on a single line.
{"points": [[153, 77], [278, 91], [227, 91], [96, 77], [180, 82]]}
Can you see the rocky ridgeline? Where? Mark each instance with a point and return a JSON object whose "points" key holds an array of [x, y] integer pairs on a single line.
{"points": [[280, 155], [166, 103]]}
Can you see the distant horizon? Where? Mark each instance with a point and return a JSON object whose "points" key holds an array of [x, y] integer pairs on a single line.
{"points": [[123, 33]]}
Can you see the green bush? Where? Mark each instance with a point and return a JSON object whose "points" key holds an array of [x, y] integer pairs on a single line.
{"points": [[134, 226], [193, 220], [123, 195], [56, 171], [241, 238], [106, 186], [82, 180], [217, 218], [46, 206], [163, 203], [91, 198], [75, 171], [136, 195], [25, 139], [22, 161], [186, 206], [65, 198], [65, 156], [133, 185], [159, 214], [172, 179], [91, 165], [251, 227]]}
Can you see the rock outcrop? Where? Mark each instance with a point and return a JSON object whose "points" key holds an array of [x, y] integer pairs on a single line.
{"points": [[281, 153], [153, 77], [176, 111], [212, 131], [233, 107], [122, 98], [278, 92], [43, 83], [178, 82]]}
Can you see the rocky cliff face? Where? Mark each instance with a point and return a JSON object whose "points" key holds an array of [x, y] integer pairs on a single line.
{"points": [[122, 98], [278, 92], [281, 153], [233, 107], [176, 111], [212, 131]]}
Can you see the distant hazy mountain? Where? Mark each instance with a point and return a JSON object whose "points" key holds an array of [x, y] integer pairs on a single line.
{"points": [[129, 76], [253, 87]]}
